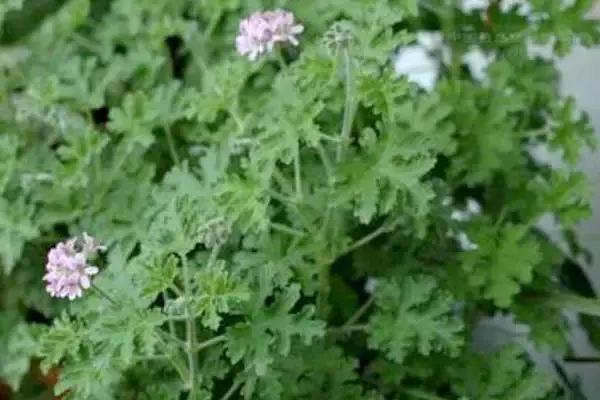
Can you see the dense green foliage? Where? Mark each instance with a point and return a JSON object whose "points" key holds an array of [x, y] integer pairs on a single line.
{"points": [[283, 229]]}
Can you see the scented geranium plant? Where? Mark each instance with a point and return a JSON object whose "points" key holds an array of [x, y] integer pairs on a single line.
{"points": [[216, 199]]}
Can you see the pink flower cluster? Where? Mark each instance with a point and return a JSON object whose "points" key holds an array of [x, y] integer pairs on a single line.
{"points": [[68, 272], [262, 30]]}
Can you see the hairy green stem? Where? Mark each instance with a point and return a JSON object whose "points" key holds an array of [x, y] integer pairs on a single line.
{"points": [[280, 197], [210, 342], [212, 258], [326, 164], [373, 235], [170, 322], [287, 229], [293, 205], [283, 181], [190, 325], [349, 329], [234, 388], [171, 143], [349, 105], [102, 293], [152, 358], [298, 172], [359, 313], [323, 293], [280, 59]]}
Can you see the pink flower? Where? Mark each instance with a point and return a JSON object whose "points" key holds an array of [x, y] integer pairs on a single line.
{"points": [[261, 31], [68, 273]]}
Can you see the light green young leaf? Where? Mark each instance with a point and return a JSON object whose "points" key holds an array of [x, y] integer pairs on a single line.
{"points": [[393, 162], [414, 315], [156, 274], [505, 375], [217, 292], [89, 377], [269, 331], [312, 372], [125, 332], [64, 338], [16, 228], [504, 261], [177, 227]]}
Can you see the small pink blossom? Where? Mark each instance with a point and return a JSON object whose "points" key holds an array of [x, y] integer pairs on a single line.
{"points": [[68, 272], [261, 31]]}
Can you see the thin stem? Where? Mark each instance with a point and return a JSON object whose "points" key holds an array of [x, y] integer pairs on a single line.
{"points": [[287, 229], [330, 139], [211, 342], [282, 181], [170, 322], [212, 24], [323, 293], [326, 163], [326, 221], [238, 383], [171, 144], [152, 358], [350, 329], [172, 338], [190, 325], [212, 258], [280, 197], [86, 43], [298, 172], [102, 293], [373, 235], [359, 313], [349, 105], [176, 290], [280, 59]]}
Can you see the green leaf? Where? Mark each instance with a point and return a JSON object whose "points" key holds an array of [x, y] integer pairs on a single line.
{"points": [[89, 378], [18, 345], [414, 315], [157, 274], [217, 292], [571, 131], [269, 331], [502, 376], [177, 227], [64, 338], [312, 372], [502, 263], [16, 227], [125, 332]]}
